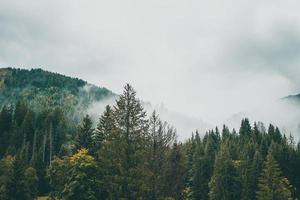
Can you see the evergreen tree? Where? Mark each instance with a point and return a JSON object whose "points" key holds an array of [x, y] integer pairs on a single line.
{"points": [[175, 174], [274, 134], [27, 127], [5, 129], [255, 170], [190, 147], [272, 186], [225, 132], [20, 112], [245, 129], [104, 129], [18, 190], [106, 150], [84, 138], [224, 183], [204, 165], [200, 174], [246, 173], [161, 137], [255, 133], [132, 125]]}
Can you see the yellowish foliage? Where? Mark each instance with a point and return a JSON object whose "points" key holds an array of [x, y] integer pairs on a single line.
{"points": [[82, 157]]}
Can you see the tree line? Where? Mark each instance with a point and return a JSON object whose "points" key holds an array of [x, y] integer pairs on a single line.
{"points": [[129, 155]]}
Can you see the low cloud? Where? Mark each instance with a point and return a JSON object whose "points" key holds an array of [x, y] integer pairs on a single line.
{"points": [[205, 59]]}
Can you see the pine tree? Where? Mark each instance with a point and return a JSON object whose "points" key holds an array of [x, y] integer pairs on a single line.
{"points": [[161, 136], [255, 133], [175, 174], [132, 126], [272, 185], [84, 138], [200, 174], [57, 119], [20, 112], [190, 147], [18, 190], [245, 129], [5, 129], [28, 126], [255, 171], [225, 132], [204, 165], [245, 168], [224, 183], [104, 129], [123, 154], [274, 134]]}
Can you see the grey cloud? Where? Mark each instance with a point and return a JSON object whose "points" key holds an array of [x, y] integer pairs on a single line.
{"points": [[200, 58], [279, 53]]}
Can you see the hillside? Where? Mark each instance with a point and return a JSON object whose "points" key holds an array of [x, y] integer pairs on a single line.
{"points": [[42, 89], [293, 98]]}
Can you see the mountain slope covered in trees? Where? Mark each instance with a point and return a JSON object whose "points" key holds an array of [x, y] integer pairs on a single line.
{"points": [[42, 89], [131, 154]]}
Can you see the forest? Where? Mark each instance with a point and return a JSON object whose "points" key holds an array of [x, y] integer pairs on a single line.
{"points": [[131, 154]]}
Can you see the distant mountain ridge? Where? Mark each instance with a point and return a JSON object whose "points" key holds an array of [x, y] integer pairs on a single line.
{"points": [[295, 98], [43, 89]]}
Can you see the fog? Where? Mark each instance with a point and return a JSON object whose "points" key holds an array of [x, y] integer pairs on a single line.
{"points": [[207, 62]]}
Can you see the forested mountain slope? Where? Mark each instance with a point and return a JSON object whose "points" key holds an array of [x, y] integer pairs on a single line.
{"points": [[42, 89]]}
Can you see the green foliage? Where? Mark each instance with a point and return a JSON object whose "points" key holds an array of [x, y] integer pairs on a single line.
{"points": [[6, 174], [84, 137], [175, 173], [104, 130], [129, 155], [57, 175], [204, 158], [31, 182], [225, 183], [74, 177], [5, 128], [131, 131], [160, 138], [272, 186], [81, 182], [245, 129], [45, 90], [17, 181]]}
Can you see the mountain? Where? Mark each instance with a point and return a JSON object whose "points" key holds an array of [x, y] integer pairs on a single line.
{"points": [[43, 89], [292, 98]]}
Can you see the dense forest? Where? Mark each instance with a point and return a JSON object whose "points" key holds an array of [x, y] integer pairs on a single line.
{"points": [[130, 154], [41, 89]]}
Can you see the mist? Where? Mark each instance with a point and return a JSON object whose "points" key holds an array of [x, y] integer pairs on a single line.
{"points": [[207, 62]]}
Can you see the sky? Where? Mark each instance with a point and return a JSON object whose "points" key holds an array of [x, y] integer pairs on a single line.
{"points": [[209, 60]]}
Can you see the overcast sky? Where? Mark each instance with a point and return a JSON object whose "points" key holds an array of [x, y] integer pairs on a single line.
{"points": [[208, 59]]}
